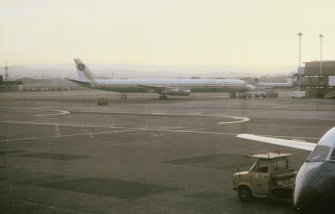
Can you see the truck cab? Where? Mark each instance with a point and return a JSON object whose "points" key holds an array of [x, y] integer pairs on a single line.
{"points": [[270, 176]]}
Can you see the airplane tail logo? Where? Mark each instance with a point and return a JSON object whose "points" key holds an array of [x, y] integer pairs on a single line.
{"points": [[84, 73]]}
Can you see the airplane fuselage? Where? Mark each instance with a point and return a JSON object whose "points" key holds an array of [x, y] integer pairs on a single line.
{"points": [[194, 85]]}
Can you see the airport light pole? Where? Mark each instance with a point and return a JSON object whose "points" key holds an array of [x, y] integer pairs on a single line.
{"points": [[6, 72], [299, 34], [299, 75], [321, 37]]}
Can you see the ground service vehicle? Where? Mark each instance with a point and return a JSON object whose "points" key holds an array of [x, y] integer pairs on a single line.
{"points": [[298, 94], [102, 101], [267, 93], [245, 95], [270, 176]]}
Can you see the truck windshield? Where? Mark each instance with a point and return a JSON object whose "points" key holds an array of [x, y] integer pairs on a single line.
{"points": [[260, 166], [319, 154]]}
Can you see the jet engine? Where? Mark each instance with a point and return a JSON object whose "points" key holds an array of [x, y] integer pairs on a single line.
{"points": [[176, 92]]}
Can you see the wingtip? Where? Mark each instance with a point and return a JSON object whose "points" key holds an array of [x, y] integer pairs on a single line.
{"points": [[242, 135]]}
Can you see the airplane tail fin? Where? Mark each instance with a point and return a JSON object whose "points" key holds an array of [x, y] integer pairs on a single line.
{"points": [[84, 73]]}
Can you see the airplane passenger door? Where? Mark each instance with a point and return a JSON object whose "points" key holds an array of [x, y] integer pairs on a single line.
{"points": [[260, 179]]}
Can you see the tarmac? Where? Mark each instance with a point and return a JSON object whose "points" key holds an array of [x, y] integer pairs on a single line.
{"points": [[62, 153]]}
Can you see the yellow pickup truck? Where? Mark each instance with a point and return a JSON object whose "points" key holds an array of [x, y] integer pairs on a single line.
{"points": [[270, 176]]}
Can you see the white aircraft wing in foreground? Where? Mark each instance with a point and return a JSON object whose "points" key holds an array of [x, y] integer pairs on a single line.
{"points": [[280, 142]]}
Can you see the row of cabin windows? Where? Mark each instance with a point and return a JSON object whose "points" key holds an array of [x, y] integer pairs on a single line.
{"points": [[178, 84]]}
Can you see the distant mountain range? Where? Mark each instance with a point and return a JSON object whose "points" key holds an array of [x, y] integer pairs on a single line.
{"points": [[139, 71]]}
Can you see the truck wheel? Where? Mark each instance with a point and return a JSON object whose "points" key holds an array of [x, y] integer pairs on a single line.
{"points": [[244, 194]]}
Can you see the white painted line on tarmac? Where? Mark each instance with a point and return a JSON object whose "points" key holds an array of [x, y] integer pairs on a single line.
{"points": [[157, 135], [59, 124], [57, 131], [43, 205], [197, 129], [57, 112], [181, 131], [173, 114], [129, 129], [90, 134], [237, 120]]}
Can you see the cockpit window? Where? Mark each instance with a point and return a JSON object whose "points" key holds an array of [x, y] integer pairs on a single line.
{"points": [[332, 156], [319, 154]]}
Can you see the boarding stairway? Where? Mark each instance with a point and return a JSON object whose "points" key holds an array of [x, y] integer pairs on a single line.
{"points": [[330, 95]]}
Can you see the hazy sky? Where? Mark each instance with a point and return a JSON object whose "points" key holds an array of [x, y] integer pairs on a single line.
{"points": [[260, 34]]}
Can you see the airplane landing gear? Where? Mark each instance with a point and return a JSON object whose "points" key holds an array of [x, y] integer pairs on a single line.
{"points": [[123, 97], [102, 101], [232, 94], [163, 97]]}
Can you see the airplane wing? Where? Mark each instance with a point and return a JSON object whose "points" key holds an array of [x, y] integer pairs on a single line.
{"points": [[153, 87], [281, 142], [168, 90], [85, 83]]}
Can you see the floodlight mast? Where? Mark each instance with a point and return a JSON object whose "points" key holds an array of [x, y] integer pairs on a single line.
{"points": [[6, 72], [321, 37], [299, 75]]}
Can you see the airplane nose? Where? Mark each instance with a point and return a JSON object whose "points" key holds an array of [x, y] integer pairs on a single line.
{"points": [[305, 199], [306, 192], [315, 188]]}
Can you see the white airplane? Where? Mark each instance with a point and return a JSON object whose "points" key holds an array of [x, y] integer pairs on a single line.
{"points": [[314, 190], [287, 84], [164, 87]]}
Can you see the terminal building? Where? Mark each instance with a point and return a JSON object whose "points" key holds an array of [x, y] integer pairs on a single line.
{"points": [[316, 79], [10, 86]]}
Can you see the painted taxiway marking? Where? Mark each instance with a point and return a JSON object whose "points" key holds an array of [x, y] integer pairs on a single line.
{"points": [[195, 113], [129, 129], [126, 129], [237, 120], [58, 124], [47, 112], [30, 202], [178, 114], [90, 134], [57, 130], [57, 112], [157, 135]]}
